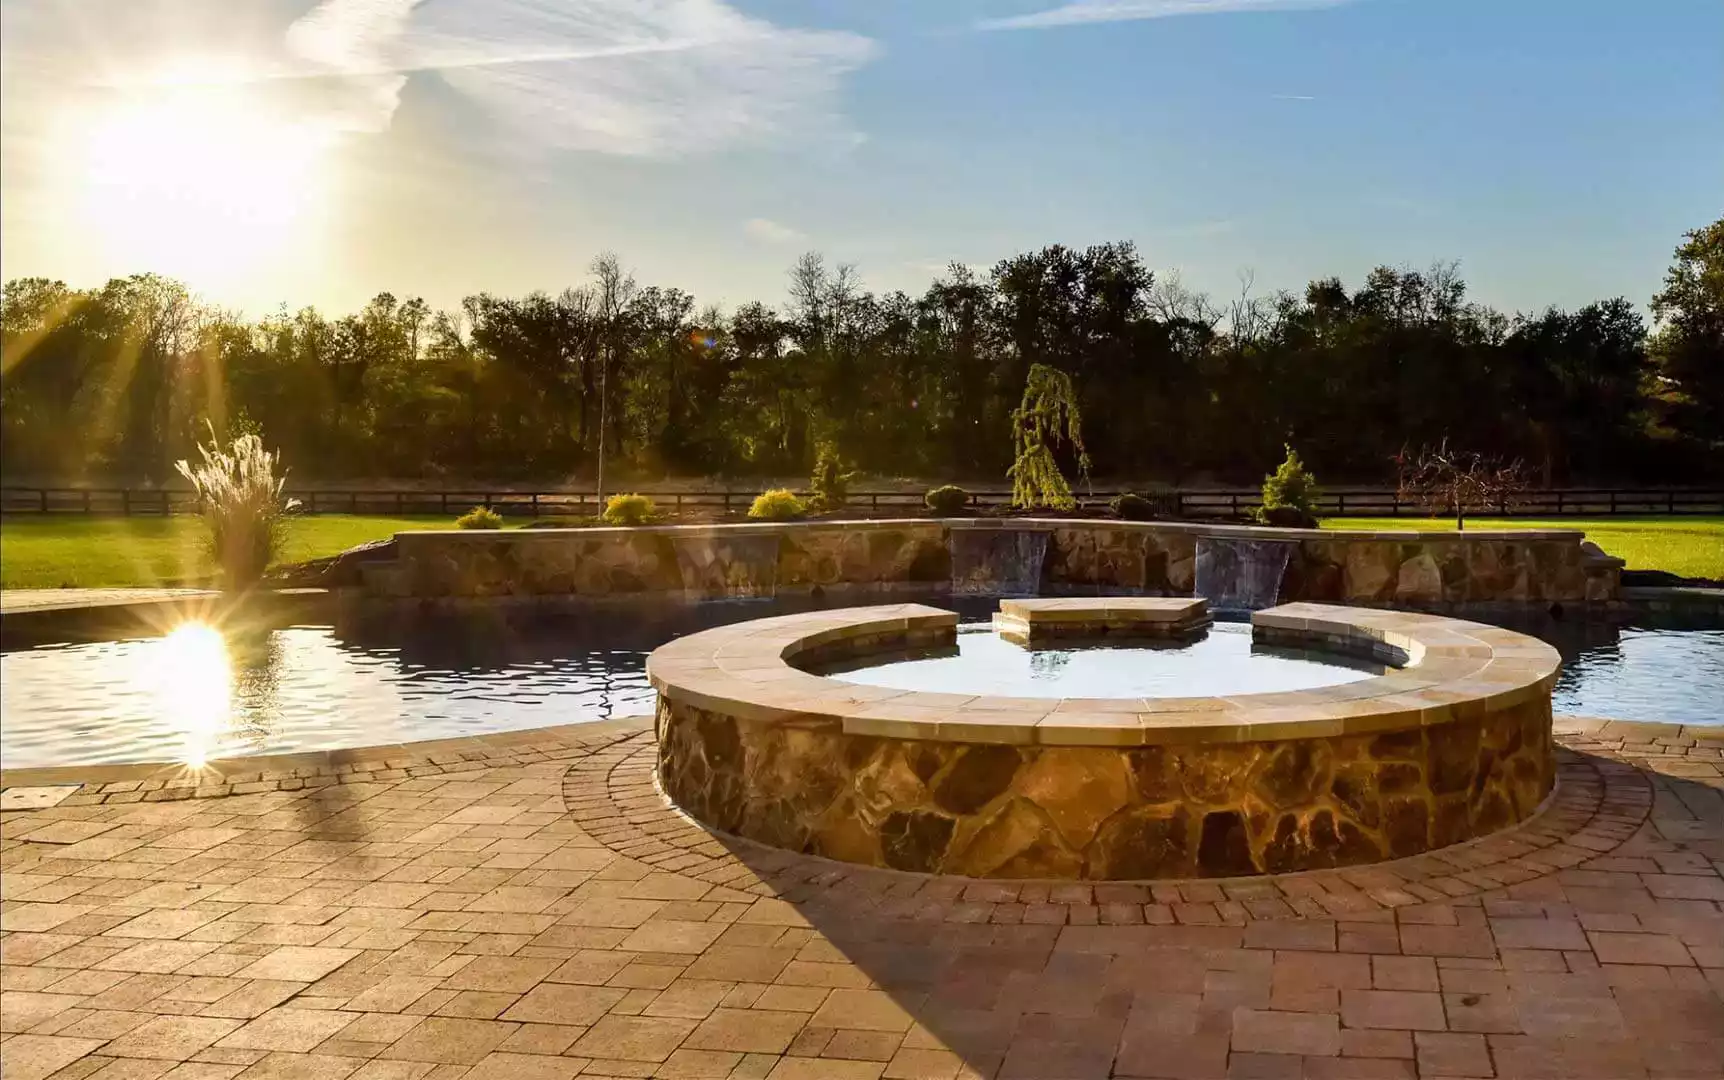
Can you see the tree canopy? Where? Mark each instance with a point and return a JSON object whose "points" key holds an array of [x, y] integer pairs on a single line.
{"points": [[118, 381]]}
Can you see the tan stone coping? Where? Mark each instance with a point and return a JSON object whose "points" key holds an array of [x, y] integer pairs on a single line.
{"points": [[1114, 613], [1452, 669], [18, 601], [430, 537], [28, 614]]}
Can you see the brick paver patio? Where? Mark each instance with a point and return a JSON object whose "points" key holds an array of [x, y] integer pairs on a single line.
{"points": [[529, 908]]}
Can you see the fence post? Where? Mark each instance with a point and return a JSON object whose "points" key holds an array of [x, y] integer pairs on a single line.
{"points": [[43, 497], [1340, 504], [165, 508], [86, 500], [1613, 502], [126, 501], [1559, 501], [535, 504], [726, 502], [874, 500], [1670, 497]]}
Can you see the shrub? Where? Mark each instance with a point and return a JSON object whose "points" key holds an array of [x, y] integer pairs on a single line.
{"points": [[629, 510], [1129, 507], [947, 500], [779, 504], [1285, 517], [480, 517], [1290, 494], [830, 484], [240, 497]]}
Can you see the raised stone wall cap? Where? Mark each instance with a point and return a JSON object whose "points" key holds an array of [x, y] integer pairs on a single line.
{"points": [[1135, 609], [1455, 669]]}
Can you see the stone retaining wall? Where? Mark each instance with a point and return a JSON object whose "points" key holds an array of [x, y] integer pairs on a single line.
{"points": [[1454, 745], [1432, 570], [1107, 813]]}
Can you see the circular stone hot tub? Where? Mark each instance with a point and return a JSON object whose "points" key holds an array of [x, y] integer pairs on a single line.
{"points": [[1451, 742]]}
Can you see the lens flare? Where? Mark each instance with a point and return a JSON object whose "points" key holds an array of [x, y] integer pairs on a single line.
{"points": [[194, 690]]}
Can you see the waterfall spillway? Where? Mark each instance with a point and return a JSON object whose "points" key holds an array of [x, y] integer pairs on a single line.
{"points": [[1240, 575], [713, 567], [997, 562]]}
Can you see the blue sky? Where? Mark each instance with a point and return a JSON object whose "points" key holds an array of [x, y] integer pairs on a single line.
{"points": [[1556, 148]]}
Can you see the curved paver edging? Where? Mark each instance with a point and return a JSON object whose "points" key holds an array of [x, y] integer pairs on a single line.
{"points": [[1452, 745]]}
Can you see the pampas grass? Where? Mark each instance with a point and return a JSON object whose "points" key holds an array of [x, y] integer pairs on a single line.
{"points": [[240, 497]]}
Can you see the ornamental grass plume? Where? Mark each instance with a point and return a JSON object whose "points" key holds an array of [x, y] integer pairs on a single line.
{"points": [[240, 498]]}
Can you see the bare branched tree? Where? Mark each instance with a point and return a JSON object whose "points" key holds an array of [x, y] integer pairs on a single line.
{"points": [[613, 293], [1446, 480]]}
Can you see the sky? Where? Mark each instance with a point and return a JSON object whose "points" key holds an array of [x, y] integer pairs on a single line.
{"points": [[295, 152]]}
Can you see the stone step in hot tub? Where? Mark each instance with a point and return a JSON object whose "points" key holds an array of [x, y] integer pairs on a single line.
{"points": [[1451, 741]]}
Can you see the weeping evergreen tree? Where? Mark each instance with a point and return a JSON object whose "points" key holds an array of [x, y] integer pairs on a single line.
{"points": [[1047, 418]]}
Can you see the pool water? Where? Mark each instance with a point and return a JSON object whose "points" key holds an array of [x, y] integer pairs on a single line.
{"points": [[194, 694], [1223, 661]]}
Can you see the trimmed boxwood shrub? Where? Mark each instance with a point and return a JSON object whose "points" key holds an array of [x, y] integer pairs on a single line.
{"points": [[480, 517], [947, 499], [1131, 507], [629, 509], [779, 504], [1286, 517]]}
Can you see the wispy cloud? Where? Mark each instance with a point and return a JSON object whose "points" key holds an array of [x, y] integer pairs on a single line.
{"points": [[1292, 97], [1078, 12], [636, 77], [644, 77], [772, 232]]}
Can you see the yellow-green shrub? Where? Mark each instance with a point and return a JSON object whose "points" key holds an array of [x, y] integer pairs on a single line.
{"points": [[629, 509], [779, 504], [480, 517]]}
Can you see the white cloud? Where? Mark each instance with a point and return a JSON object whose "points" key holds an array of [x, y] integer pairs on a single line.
{"points": [[637, 77], [1100, 11], [643, 77], [1292, 97], [772, 232]]}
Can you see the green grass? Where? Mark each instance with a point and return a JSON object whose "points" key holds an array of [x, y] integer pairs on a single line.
{"points": [[1690, 546], [93, 552], [50, 552]]}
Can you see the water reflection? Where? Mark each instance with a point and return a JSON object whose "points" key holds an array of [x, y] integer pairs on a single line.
{"points": [[199, 691]]}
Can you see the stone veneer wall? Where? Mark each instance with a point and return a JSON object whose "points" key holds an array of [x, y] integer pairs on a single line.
{"points": [[1410, 569], [1108, 813]]}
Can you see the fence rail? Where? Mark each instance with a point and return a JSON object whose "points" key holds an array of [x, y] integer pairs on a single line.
{"points": [[1211, 502]]}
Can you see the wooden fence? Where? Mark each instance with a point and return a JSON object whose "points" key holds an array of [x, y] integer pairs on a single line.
{"points": [[1199, 503]]}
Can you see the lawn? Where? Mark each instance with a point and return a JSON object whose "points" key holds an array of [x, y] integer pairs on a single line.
{"points": [[49, 552], [67, 551], [1690, 546]]}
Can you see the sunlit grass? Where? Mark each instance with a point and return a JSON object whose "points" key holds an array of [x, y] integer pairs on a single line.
{"points": [[46, 552], [1690, 546], [50, 552]]}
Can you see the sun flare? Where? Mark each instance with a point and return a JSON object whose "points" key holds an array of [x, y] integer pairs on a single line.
{"points": [[195, 689], [194, 173]]}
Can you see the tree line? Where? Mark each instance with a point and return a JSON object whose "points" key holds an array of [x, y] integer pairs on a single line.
{"points": [[120, 380]]}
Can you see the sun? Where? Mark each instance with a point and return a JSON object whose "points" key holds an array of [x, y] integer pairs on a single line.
{"points": [[194, 173]]}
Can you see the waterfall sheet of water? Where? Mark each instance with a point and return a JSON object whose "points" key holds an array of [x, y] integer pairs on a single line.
{"points": [[1236, 575], [728, 566], [997, 562]]}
